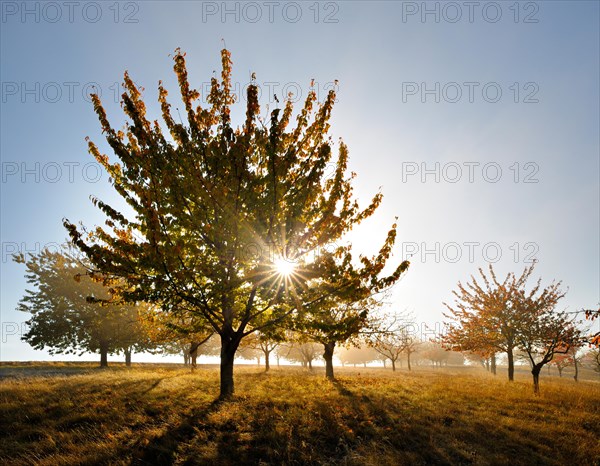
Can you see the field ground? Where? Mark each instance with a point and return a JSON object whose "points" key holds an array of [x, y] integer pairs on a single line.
{"points": [[148, 414]]}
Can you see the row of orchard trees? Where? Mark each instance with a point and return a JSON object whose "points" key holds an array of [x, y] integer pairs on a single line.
{"points": [[491, 316], [73, 313], [65, 317], [214, 210]]}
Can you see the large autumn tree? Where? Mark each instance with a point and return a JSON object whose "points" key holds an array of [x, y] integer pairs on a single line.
{"points": [[216, 207], [64, 316]]}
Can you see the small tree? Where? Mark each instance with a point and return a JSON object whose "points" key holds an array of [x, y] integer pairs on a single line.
{"points": [[299, 349], [390, 338], [354, 355], [177, 332], [336, 307], [562, 361], [543, 332], [262, 343]]}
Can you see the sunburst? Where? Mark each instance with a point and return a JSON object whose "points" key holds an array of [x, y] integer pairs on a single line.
{"points": [[284, 266]]}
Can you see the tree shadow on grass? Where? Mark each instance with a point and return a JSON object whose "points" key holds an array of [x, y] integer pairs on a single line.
{"points": [[421, 435], [162, 450]]}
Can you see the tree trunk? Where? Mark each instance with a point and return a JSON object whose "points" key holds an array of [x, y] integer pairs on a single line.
{"points": [[258, 360], [186, 358], [511, 364], [493, 363], [128, 357], [536, 378], [267, 367], [328, 356], [229, 345], [576, 376], [310, 364], [278, 358], [194, 355], [393, 365], [103, 354], [560, 369], [408, 361], [384, 362], [487, 365], [364, 364]]}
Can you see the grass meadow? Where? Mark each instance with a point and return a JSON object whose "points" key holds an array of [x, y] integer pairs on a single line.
{"points": [[55, 414]]}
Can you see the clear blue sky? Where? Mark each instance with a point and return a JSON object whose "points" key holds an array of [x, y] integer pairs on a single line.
{"points": [[473, 91]]}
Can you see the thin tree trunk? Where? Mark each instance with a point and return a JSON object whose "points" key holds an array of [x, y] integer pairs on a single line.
{"points": [[536, 379], [511, 364], [267, 367], [393, 365], [278, 358], [493, 363], [328, 356], [310, 364], [384, 364], [408, 361], [487, 365], [103, 354], [128, 357], [560, 369], [194, 355], [576, 376], [186, 358]]}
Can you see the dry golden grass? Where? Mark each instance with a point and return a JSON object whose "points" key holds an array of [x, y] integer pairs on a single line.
{"points": [[165, 415]]}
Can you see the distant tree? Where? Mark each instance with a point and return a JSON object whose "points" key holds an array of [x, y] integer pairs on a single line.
{"points": [[489, 316], [562, 361], [390, 347], [218, 208], [391, 337], [65, 317], [354, 355], [298, 348], [177, 332], [435, 353], [250, 352], [262, 344], [592, 359], [411, 346], [336, 307], [576, 357]]}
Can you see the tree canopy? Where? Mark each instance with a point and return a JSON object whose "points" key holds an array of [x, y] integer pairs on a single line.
{"points": [[216, 208]]}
